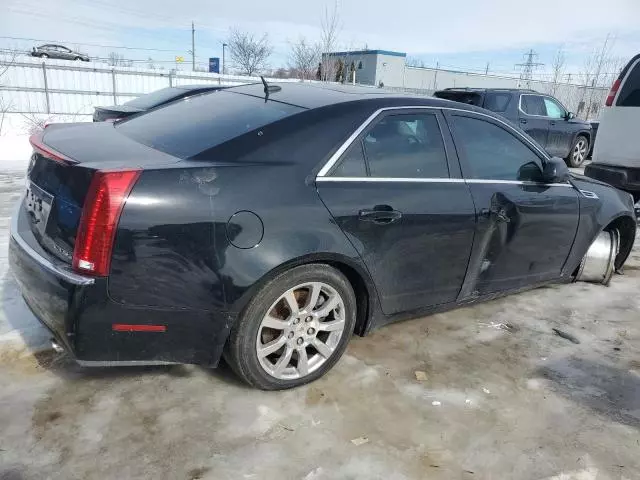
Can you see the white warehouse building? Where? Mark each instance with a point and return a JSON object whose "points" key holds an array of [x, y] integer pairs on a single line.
{"points": [[389, 69]]}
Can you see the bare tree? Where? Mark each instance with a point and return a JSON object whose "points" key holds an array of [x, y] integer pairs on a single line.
{"points": [[330, 29], [557, 69], [7, 60], [595, 77], [304, 58], [115, 59], [248, 52], [415, 62]]}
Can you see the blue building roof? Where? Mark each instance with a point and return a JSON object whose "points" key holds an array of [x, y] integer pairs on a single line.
{"points": [[366, 52]]}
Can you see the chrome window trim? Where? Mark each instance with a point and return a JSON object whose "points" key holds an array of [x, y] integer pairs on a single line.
{"points": [[326, 168], [46, 264], [541, 95], [438, 180]]}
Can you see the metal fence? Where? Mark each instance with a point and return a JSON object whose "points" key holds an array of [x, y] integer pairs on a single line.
{"points": [[59, 87]]}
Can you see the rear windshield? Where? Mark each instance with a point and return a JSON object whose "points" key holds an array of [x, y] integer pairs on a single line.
{"points": [[144, 102], [630, 93], [196, 124], [470, 98]]}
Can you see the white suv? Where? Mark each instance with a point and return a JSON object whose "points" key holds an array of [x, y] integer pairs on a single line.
{"points": [[616, 153]]}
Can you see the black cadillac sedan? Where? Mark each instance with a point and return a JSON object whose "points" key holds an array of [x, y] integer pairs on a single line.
{"points": [[269, 223]]}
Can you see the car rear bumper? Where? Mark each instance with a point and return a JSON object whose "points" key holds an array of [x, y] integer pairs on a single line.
{"points": [[624, 178], [82, 318]]}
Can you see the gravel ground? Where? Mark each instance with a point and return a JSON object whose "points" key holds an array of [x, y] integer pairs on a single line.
{"points": [[485, 392]]}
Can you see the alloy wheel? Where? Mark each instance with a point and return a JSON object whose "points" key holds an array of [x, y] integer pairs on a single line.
{"points": [[300, 331], [579, 151]]}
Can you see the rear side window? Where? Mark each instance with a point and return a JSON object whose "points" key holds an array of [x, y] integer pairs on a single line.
{"points": [[533, 105], [352, 163], [629, 95], [493, 153], [198, 123], [406, 146], [497, 101]]}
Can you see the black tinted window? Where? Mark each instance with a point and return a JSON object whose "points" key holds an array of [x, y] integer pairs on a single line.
{"points": [[406, 146], [496, 101], [493, 153], [351, 163], [196, 124], [630, 93], [533, 105]]}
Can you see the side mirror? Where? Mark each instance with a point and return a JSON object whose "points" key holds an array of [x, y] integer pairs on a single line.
{"points": [[570, 116], [555, 170]]}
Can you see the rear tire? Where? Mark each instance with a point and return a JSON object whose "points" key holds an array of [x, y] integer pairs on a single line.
{"points": [[269, 322], [579, 152]]}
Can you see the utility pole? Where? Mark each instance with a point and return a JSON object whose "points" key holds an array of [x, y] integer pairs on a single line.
{"points": [[486, 70], [528, 67], [193, 47], [224, 45]]}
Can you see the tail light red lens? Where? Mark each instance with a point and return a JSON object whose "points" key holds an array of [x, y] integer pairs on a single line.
{"points": [[612, 93], [102, 208]]}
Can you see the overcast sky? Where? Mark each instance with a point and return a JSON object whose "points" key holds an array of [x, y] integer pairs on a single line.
{"points": [[458, 33]]}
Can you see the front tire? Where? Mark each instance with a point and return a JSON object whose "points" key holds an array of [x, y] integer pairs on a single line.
{"points": [[579, 151], [44, 55], [294, 329]]}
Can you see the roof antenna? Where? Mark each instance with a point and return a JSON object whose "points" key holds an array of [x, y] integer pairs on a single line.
{"points": [[269, 88]]}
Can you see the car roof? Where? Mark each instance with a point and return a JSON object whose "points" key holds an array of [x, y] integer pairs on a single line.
{"points": [[316, 95]]}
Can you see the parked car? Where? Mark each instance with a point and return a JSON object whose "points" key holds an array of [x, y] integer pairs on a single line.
{"points": [[149, 101], [58, 51], [616, 154], [269, 227], [543, 117]]}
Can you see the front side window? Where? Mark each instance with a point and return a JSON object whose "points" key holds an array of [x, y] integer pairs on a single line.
{"points": [[493, 153], [406, 146], [554, 110], [533, 105]]}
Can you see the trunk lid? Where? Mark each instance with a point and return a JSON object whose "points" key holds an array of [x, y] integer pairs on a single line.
{"points": [[62, 166]]}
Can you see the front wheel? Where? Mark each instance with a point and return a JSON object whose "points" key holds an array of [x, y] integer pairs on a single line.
{"points": [[44, 55], [294, 329], [579, 151]]}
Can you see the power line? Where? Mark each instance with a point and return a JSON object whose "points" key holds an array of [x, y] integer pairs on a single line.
{"points": [[91, 44], [528, 66]]}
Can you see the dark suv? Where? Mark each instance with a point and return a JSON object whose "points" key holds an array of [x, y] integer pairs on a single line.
{"points": [[543, 117]]}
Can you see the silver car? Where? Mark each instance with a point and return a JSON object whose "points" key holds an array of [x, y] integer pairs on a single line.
{"points": [[58, 51]]}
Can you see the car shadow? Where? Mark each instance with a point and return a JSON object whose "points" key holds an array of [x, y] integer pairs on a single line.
{"points": [[66, 368], [605, 389]]}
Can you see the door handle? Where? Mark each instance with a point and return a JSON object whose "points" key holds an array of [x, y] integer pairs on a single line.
{"points": [[380, 214], [499, 213], [552, 123], [523, 120]]}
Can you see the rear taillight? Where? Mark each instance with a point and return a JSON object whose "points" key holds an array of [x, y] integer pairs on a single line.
{"points": [[103, 205], [612, 93]]}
